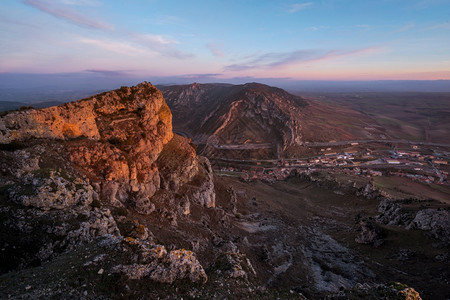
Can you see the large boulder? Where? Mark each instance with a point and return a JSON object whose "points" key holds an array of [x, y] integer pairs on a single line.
{"points": [[158, 264], [393, 214]]}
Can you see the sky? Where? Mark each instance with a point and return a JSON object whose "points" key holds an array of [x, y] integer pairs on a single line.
{"points": [[298, 40]]}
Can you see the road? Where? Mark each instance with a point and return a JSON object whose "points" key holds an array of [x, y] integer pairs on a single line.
{"points": [[252, 146], [341, 143], [438, 172], [243, 146], [182, 133]]}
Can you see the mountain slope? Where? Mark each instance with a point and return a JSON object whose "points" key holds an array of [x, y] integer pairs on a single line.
{"points": [[257, 120]]}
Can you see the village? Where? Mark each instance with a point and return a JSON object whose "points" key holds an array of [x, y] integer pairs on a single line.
{"points": [[421, 165]]}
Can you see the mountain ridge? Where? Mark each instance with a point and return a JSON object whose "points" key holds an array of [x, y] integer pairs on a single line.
{"points": [[268, 120]]}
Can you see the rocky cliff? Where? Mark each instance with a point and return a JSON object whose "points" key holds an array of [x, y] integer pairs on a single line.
{"points": [[120, 140], [65, 169]]}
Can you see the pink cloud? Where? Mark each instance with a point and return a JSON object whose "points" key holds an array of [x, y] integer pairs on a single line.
{"points": [[67, 14], [279, 59], [214, 50]]}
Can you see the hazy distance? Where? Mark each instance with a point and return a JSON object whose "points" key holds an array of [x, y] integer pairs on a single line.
{"points": [[31, 88]]}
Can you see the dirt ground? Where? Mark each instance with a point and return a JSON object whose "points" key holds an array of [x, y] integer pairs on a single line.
{"points": [[299, 227]]}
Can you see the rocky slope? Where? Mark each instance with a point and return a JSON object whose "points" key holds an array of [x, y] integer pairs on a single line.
{"points": [[257, 120]]}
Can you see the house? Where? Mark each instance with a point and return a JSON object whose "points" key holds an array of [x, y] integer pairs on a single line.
{"points": [[392, 161], [375, 173], [351, 152]]}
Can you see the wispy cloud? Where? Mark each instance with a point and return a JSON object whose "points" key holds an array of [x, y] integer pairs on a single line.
{"points": [[156, 40], [161, 44], [67, 14], [444, 26], [138, 44], [315, 28], [214, 50], [121, 42], [109, 73], [275, 59], [405, 27], [201, 76], [113, 46], [166, 20], [81, 2], [279, 59], [299, 6]]}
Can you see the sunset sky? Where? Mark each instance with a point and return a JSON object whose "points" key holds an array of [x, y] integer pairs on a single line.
{"points": [[313, 40]]}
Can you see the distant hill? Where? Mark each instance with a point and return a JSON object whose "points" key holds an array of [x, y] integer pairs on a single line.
{"points": [[257, 120], [11, 105], [423, 117]]}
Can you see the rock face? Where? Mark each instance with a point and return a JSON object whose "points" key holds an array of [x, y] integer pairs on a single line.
{"points": [[51, 191], [234, 265], [46, 211], [368, 232], [160, 265], [392, 213], [369, 191], [436, 222], [65, 167], [122, 141], [95, 117]]}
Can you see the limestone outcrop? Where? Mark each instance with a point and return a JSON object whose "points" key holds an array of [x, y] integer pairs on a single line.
{"points": [[69, 172], [437, 224], [368, 232], [122, 141], [158, 264], [393, 214]]}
